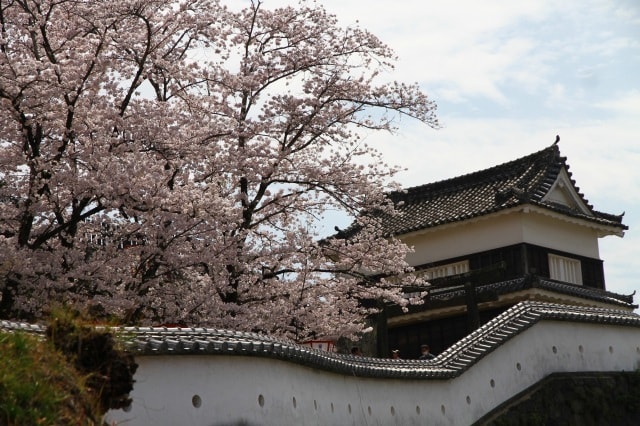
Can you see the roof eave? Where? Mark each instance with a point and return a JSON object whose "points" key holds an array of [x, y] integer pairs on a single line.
{"points": [[601, 229]]}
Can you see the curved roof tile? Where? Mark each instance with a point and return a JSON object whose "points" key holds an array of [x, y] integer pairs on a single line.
{"points": [[532, 281], [523, 181], [151, 341]]}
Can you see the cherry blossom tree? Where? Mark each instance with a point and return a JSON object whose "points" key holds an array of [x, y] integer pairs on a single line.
{"points": [[170, 161]]}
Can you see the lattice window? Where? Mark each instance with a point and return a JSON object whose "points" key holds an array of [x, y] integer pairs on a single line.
{"points": [[565, 269], [445, 270]]}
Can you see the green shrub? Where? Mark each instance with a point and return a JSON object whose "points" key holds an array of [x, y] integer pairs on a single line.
{"points": [[94, 353], [39, 387], [72, 377]]}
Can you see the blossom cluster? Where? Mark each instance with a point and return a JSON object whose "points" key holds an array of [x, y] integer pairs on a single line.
{"points": [[170, 161]]}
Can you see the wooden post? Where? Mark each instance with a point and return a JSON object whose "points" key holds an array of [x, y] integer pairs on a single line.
{"points": [[473, 315]]}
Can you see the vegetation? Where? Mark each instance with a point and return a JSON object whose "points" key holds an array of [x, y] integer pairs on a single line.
{"points": [[38, 386], [173, 162], [94, 353], [72, 377]]}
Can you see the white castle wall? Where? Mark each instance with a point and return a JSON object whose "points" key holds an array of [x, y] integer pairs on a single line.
{"points": [[251, 390], [523, 225]]}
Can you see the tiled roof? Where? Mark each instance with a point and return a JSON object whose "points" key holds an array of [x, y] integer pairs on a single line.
{"points": [[523, 181], [532, 281], [149, 341]]}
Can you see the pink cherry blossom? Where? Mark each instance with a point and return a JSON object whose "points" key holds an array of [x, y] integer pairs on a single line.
{"points": [[169, 162]]}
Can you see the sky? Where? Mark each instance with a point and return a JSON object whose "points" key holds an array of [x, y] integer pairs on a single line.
{"points": [[508, 76]]}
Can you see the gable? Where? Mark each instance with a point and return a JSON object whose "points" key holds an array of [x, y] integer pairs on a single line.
{"points": [[563, 192]]}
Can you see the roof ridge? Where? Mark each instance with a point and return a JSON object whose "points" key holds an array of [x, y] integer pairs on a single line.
{"points": [[525, 180], [449, 184]]}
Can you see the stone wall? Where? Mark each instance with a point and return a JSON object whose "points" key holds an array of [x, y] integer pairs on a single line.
{"points": [[580, 399]]}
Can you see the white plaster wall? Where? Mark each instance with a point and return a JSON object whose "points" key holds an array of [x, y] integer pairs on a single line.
{"points": [[243, 390], [499, 231], [548, 232], [464, 238], [548, 347]]}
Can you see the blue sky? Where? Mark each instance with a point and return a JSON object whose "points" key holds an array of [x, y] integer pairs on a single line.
{"points": [[507, 77]]}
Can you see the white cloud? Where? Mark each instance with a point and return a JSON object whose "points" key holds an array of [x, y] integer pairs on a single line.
{"points": [[625, 104]]}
